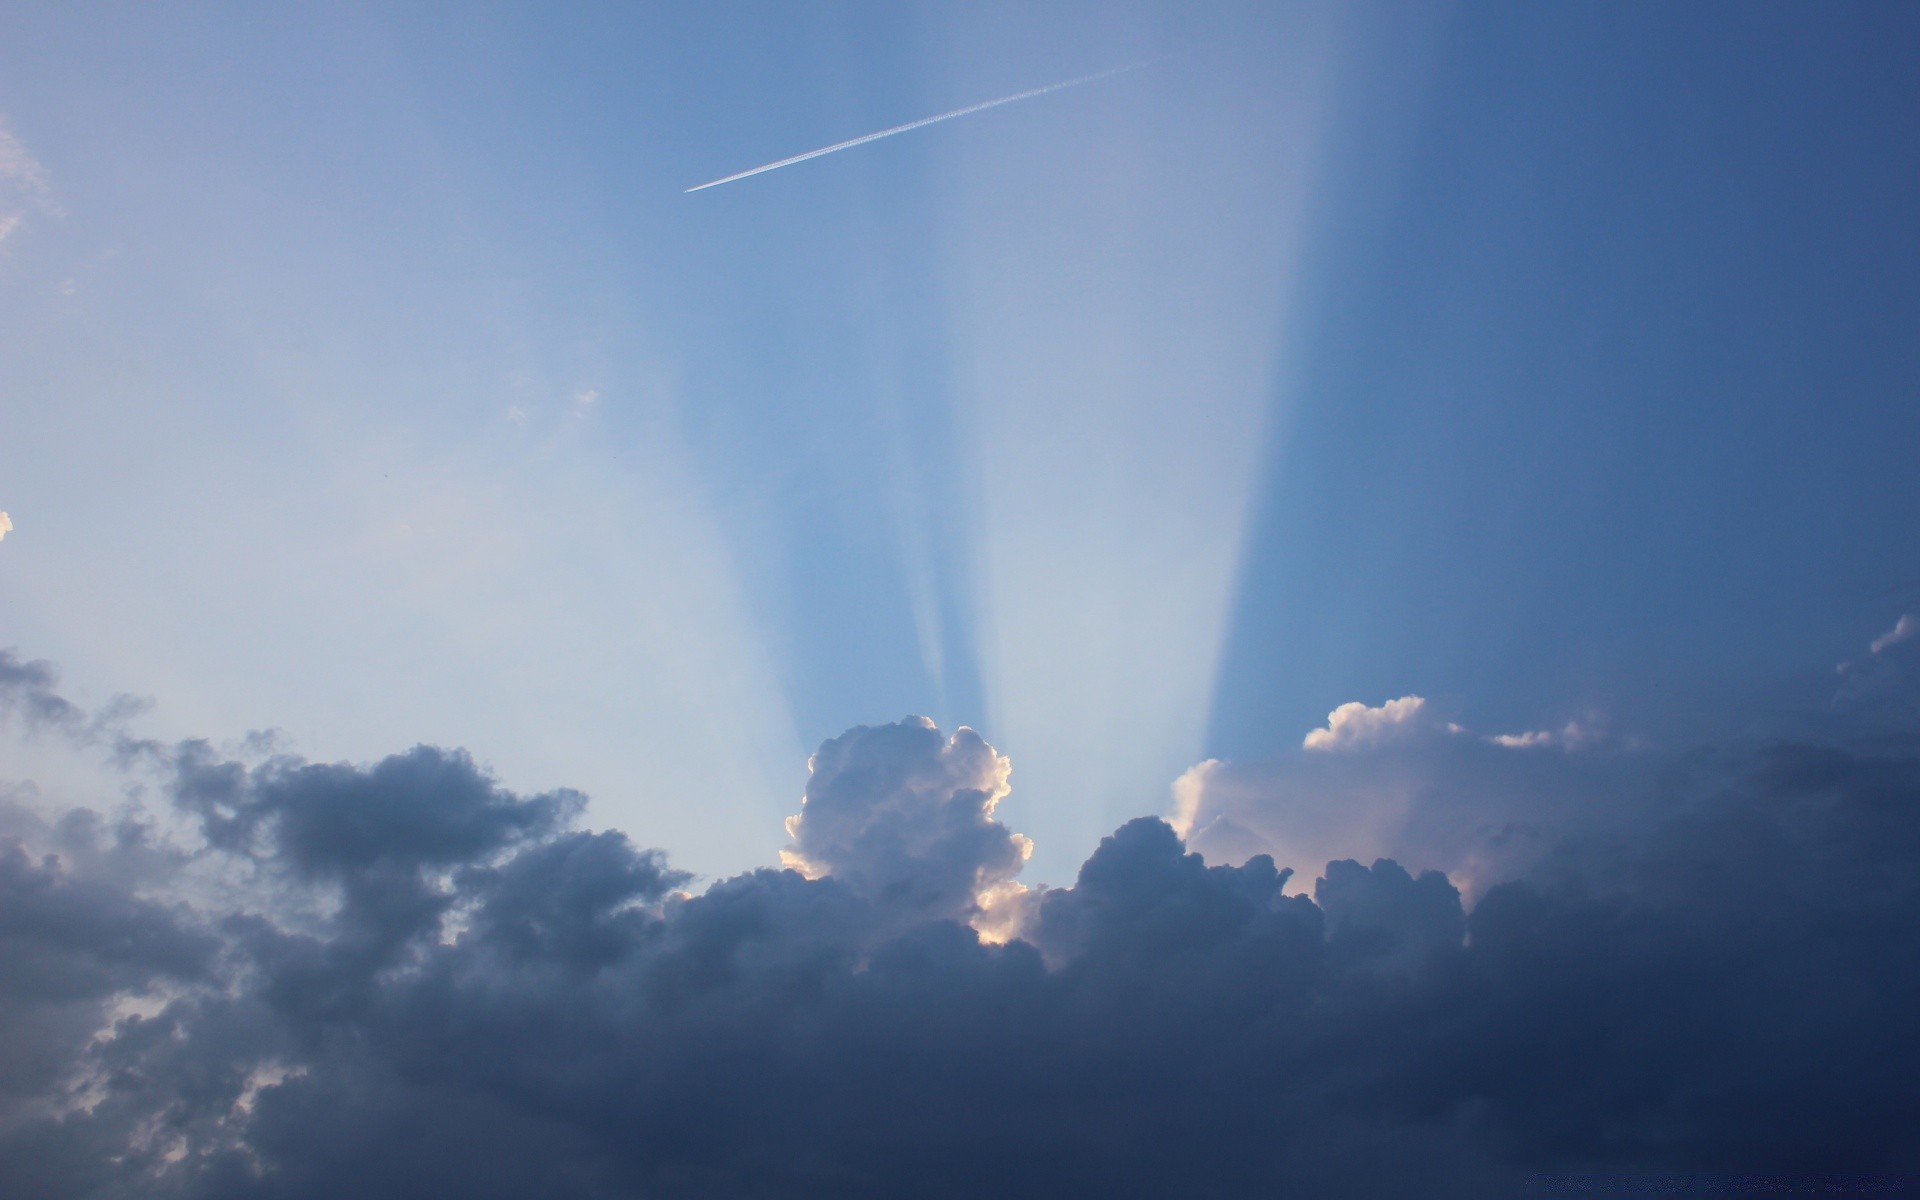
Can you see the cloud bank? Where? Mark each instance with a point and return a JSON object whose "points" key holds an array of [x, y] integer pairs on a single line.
{"points": [[300, 979]]}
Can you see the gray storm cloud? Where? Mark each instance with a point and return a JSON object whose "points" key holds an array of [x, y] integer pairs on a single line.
{"points": [[298, 979]]}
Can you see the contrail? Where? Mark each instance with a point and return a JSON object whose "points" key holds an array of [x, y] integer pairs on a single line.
{"points": [[946, 116]]}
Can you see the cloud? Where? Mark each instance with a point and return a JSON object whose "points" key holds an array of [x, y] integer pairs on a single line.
{"points": [[1425, 792], [1883, 686], [1354, 724], [903, 815], [401, 978], [28, 689], [1190, 794], [1524, 741], [1574, 735], [1902, 630], [1399, 781], [6, 522], [20, 170], [24, 183]]}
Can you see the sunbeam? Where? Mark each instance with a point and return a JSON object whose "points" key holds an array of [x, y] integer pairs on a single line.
{"points": [[1116, 371]]}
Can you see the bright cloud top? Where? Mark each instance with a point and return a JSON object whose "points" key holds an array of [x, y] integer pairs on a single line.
{"points": [[1354, 724], [1399, 780], [904, 815]]}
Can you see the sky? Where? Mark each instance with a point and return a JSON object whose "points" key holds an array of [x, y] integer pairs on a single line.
{"points": [[442, 557]]}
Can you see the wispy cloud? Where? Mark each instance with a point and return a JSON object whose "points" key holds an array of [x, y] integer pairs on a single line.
{"points": [[1884, 680], [25, 185], [1574, 735], [1902, 629]]}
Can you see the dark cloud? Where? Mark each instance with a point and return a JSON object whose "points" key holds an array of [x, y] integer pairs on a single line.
{"points": [[425, 984], [426, 808], [28, 689], [29, 692]]}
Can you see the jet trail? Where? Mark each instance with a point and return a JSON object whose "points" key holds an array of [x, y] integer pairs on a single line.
{"points": [[946, 116]]}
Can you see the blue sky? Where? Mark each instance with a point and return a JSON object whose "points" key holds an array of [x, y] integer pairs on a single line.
{"points": [[368, 375], [1414, 502]]}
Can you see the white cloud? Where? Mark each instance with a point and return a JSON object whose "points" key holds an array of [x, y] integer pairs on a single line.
{"points": [[24, 183], [6, 525], [1399, 781], [20, 169], [1883, 685], [1469, 806], [1189, 791], [1521, 741], [1572, 736], [1354, 724], [1902, 629]]}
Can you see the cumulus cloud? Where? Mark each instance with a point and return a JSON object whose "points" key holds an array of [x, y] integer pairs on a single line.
{"points": [[1190, 795], [1355, 725], [903, 815], [6, 522], [414, 981], [1400, 781]]}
